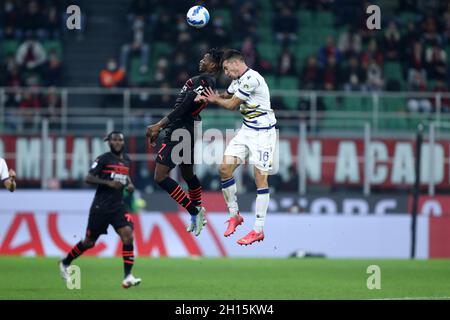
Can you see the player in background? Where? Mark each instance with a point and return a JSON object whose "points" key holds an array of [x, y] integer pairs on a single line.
{"points": [[110, 172], [8, 177], [183, 115], [257, 136]]}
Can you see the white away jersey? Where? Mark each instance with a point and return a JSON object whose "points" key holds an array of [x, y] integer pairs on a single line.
{"points": [[256, 110], [4, 174]]}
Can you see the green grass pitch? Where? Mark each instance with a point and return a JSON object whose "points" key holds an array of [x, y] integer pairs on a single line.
{"points": [[227, 278]]}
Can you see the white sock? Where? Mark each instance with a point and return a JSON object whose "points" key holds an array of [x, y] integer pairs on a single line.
{"points": [[262, 203], [229, 190]]}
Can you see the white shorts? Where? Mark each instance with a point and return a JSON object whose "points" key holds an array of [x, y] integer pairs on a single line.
{"points": [[260, 145]]}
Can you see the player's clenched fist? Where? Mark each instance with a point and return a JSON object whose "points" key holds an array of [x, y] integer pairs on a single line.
{"points": [[152, 133]]}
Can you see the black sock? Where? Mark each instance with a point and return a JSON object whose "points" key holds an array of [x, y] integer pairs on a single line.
{"points": [[76, 251], [128, 258], [195, 190], [177, 193]]}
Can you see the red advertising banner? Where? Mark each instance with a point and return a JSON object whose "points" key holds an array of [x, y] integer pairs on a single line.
{"points": [[327, 161]]}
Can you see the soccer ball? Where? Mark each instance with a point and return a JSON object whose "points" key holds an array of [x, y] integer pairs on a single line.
{"points": [[197, 17]]}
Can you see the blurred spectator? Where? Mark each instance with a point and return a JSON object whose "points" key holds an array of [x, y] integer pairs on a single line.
{"points": [[139, 8], [137, 47], [53, 25], [286, 63], [53, 71], [29, 107], [249, 51], [416, 58], [285, 26], [417, 82], [329, 50], [392, 42], [31, 55], [354, 76], [411, 36], [220, 36], [112, 76], [163, 30], [311, 74], [445, 101], [374, 73], [436, 59], [162, 70], [349, 42], [446, 24], [372, 53], [331, 74], [430, 36], [52, 105], [33, 20], [245, 20], [10, 20]]}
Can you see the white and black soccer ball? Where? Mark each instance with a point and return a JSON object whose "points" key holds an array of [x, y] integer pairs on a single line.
{"points": [[197, 17]]}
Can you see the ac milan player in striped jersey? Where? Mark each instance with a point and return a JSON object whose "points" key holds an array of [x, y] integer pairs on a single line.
{"points": [[185, 112], [110, 172]]}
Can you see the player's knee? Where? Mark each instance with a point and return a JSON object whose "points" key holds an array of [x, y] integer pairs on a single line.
{"points": [[159, 177], [225, 171], [127, 239]]}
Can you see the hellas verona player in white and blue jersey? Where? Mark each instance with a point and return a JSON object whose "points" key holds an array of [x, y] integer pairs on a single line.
{"points": [[257, 138]]}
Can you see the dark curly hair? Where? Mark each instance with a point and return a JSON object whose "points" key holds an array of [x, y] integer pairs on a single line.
{"points": [[216, 55]]}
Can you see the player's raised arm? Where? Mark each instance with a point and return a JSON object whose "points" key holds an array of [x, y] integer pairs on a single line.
{"points": [[228, 103], [182, 108]]}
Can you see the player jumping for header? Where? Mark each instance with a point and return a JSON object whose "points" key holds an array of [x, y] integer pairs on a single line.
{"points": [[183, 115], [110, 172], [250, 92]]}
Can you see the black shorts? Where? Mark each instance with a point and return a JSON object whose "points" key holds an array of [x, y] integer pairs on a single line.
{"points": [[166, 146], [101, 218]]}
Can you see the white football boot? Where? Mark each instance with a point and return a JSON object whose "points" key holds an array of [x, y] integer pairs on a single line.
{"points": [[63, 270], [130, 281], [195, 221]]}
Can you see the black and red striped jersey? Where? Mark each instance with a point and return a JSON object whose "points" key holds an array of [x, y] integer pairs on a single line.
{"points": [[186, 111], [108, 166]]}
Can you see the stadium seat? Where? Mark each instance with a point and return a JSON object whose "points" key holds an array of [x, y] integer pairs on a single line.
{"points": [[290, 83], [161, 48], [268, 52], [136, 77], [271, 81], [353, 103], [265, 34], [305, 17], [393, 70], [391, 104], [323, 19], [225, 14], [329, 102], [55, 46], [8, 47]]}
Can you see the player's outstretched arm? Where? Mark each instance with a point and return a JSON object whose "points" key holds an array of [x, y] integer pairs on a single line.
{"points": [[90, 179], [10, 183], [231, 103]]}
